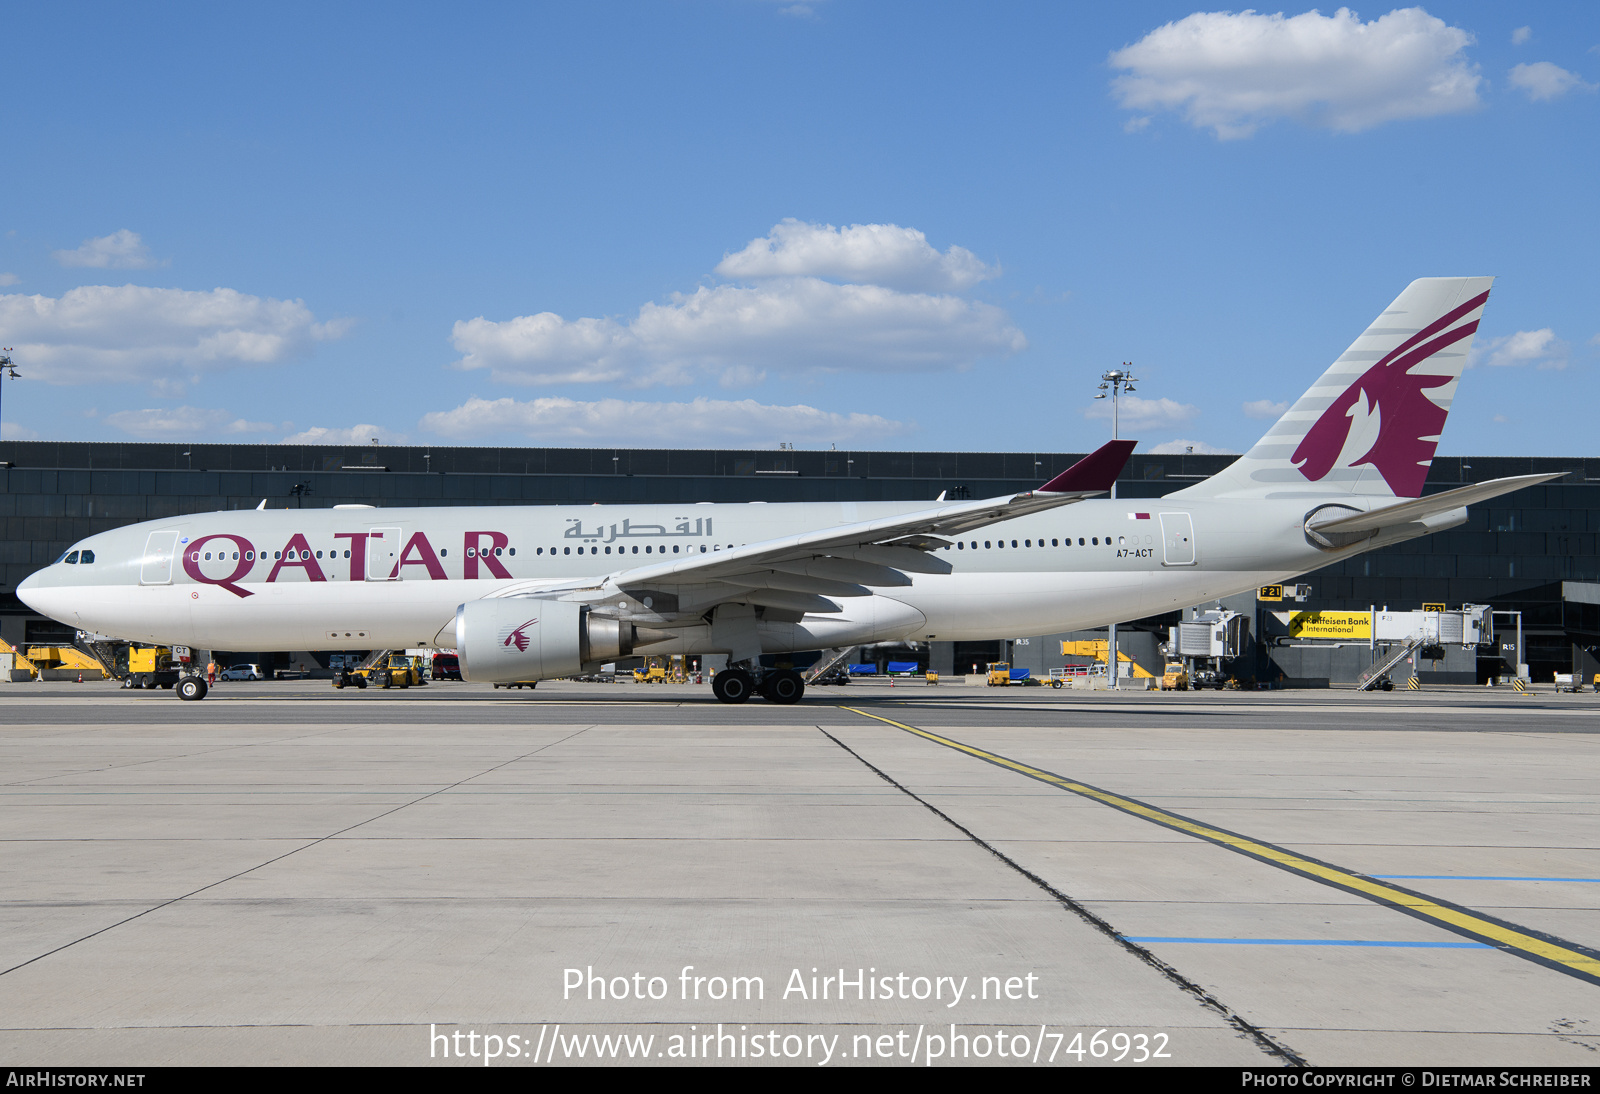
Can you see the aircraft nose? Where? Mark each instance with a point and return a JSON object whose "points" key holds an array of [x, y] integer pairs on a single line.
{"points": [[42, 596]]}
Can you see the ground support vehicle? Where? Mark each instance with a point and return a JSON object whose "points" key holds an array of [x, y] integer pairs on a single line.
{"points": [[152, 667], [999, 674], [1176, 677], [446, 666], [394, 670]]}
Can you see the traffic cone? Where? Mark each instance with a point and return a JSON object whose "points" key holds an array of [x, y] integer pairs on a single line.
{"points": [[80, 676]]}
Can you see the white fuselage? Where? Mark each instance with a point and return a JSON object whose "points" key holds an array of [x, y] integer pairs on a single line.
{"points": [[362, 578]]}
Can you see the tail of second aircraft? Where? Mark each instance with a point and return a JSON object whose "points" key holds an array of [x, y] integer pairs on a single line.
{"points": [[1369, 426]]}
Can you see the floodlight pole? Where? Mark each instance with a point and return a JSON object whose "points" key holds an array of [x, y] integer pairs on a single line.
{"points": [[1116, 381], [6, 372]]}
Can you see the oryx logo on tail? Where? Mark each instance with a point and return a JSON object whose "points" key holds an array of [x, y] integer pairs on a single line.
{"points": [[1409, 421], [518, 637]]}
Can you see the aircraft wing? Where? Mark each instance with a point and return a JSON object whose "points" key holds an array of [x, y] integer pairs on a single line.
{"points": [[801, 571], [1443, 502]]}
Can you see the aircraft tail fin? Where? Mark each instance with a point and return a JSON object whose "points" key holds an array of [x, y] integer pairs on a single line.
{"points": [[1370, 425]]}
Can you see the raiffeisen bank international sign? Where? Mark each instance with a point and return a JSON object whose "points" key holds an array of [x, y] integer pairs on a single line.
{"points": [[1330, 625]]}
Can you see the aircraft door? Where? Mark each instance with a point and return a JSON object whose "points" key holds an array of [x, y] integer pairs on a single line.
{"points": [[1177, 536], [383, 554], [156, 567]]}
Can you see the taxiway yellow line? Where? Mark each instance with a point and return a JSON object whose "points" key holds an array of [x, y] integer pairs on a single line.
{"points": [[1547, 950]]}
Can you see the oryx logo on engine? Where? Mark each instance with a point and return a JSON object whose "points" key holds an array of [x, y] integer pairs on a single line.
{"points": [[518, 638]]}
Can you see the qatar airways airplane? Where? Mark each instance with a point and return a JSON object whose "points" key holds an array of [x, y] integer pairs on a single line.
{"points": [[534, 592]]}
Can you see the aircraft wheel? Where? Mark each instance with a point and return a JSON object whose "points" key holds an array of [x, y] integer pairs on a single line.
{"points": [[732, 685], [191, 687], [783, 687]]}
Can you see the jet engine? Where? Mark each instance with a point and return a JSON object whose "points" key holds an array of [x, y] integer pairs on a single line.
{"points": [[514, 638]]}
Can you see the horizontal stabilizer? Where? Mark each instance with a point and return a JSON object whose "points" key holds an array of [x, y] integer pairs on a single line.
{"points": [[1433, 504]]}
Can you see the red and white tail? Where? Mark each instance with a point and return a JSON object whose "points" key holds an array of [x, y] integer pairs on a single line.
{"points": [[1369, 426]]}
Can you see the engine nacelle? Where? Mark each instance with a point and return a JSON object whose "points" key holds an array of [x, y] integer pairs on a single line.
{"points": [[507, 639]]}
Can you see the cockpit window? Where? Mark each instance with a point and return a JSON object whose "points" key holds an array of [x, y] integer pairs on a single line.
{"points": [[86, 557], [71, 559]]}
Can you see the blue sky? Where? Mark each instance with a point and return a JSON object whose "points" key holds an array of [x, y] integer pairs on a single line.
{"points": [[710, 224]]}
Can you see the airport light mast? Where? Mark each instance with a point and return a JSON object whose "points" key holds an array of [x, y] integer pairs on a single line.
{"points": [[1117, 381], [7, 371]]}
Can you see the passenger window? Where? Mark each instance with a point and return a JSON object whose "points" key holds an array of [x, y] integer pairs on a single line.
{"points": [[1053, 543], [568, 550], [961, 546], [511, 550]]}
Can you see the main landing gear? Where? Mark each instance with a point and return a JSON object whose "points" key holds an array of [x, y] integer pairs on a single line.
{"points": [[781, 686]]}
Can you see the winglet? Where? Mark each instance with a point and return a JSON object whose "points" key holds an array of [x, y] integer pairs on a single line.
{"points": [[1096, 471]]}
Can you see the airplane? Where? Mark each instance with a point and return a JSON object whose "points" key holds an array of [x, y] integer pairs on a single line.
{"points": [[526, 593]]}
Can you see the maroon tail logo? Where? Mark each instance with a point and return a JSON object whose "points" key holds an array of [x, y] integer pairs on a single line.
{"points": [[1409, 422], [518, 639]]}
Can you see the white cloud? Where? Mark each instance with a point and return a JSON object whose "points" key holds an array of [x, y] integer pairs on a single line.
{"points": [[121, 250], [800, 323], [356, 434], [183, 421], [696, 424], [1521, 35], [108, 334], [1265, 409], [9, 279], [11, 431], [1525, 347], [877, 254], [1233, 73], [1137, 413], [1542, 81], [1185, 447]]}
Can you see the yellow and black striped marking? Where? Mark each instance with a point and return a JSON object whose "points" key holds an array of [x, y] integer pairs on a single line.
{"points": [[1544, 949]]}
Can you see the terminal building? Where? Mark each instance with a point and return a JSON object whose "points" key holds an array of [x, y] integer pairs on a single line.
{"points": [[1535, 552]]}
